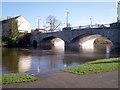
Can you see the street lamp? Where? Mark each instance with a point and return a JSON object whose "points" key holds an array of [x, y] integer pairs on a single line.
{"points": [[118, 10], [66, 14], [38, 19], [91, 21]]}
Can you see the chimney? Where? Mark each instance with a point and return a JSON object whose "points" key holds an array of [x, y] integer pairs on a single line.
{"points": [[9, 17]]}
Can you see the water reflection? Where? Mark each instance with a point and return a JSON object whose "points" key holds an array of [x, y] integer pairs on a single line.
{"points": [[24, 64], [108, 49], [15, 60], [50, 50], [46, 63], [0, 60], [47, 59], [38, 67], [9, 60], [91, 53]]}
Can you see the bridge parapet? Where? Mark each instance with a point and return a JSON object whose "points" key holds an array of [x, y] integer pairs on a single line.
{"points": [[115, 25], [97, 26], [67, 28]]}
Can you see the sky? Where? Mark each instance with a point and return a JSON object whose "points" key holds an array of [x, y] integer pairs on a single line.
{"points": [[79, 12]]}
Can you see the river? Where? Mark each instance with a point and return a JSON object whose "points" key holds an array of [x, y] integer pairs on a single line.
{"points": [[40, 60]]}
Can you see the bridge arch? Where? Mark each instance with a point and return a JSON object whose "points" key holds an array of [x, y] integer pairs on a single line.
{"points": [[90, 40], [34, 43], [52, 41]]}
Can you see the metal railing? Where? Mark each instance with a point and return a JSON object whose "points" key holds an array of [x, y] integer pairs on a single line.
{"points": [[82, 27], [91, 26]]}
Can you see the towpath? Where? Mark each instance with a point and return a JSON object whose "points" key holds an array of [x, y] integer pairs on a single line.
{"points": [[60, 79]]}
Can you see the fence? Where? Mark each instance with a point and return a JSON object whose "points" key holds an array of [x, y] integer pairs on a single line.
{"points": [[92, 26], [83, 27]]}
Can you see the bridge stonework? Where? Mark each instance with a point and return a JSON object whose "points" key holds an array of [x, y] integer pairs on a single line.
{"points": [[67, 35]]}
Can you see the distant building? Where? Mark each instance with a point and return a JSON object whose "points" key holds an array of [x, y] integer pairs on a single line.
{"points": [[1, 19], [40, 30], [23, 25]]}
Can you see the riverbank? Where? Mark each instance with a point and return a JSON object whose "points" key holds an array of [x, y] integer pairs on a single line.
{"points": [[16, 78], [101, 65]]}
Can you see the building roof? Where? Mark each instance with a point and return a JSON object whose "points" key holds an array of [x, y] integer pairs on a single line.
{"points": [[5, 20]]}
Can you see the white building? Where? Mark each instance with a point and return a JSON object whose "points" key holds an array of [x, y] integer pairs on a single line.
{"points": [[23, 25]]}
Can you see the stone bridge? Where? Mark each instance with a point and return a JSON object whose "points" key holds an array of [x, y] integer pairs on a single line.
{"points": [[70, 36]]}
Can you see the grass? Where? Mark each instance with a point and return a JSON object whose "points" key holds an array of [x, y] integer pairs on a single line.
{"points": [[101, 65], [15, 78]]}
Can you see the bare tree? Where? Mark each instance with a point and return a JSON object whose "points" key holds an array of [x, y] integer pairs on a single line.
{"points": [[52, 23]]}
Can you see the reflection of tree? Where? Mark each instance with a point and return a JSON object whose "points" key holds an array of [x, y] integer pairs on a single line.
{"points": [[10, 59], [15, 60]]}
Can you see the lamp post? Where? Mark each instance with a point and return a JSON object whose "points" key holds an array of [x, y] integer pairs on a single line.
{"points": [[38, 19], [118, 10], [91, 21], [66, 14]]}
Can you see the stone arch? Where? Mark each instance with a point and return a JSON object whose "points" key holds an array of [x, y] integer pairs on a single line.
{"points": [[102, 42], [89, 40], [51, 41]]}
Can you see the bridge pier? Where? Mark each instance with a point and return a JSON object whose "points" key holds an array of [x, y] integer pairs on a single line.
{"points": [[67, 44], [116, 45]]}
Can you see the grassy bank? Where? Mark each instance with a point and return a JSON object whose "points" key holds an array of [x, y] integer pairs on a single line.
{"points": [[15, 78], [101, 65]]}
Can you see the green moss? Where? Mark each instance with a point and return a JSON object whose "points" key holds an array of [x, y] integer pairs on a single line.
{"points": [[15, 78], [101, 65]]}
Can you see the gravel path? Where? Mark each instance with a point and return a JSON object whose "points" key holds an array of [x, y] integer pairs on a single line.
{"points": [[60, 79]]}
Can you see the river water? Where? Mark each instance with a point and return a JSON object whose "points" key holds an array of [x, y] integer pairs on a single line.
{"points": [[40, 60]]}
